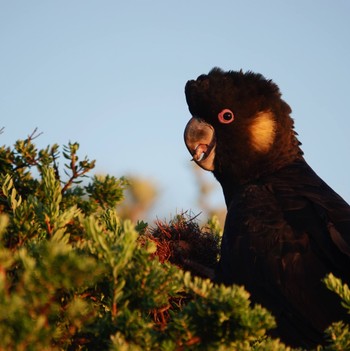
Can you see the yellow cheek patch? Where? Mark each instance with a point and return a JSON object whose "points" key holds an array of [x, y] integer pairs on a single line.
{"points": [[263, 131]]}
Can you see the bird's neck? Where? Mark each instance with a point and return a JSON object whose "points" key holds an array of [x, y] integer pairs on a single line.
{"points": [[242, 172]]}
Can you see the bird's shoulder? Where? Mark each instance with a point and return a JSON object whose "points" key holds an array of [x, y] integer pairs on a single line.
{"points": [[310, 204], [291, 214]]}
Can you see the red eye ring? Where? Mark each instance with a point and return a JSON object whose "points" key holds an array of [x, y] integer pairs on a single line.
{"points": [[226, 116]]}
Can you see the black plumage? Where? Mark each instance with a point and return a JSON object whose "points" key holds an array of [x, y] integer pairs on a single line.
{"points": [[285, 228]]}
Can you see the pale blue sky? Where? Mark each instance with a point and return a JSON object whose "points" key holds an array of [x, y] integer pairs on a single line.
{"points": [[111, 74]]}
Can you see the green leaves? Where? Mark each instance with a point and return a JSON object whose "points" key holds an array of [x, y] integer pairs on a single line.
{"points": [[74, 275], [107, 191], [220, 316], [41, 296], [74, 169], [338, 334], [335, 284]]}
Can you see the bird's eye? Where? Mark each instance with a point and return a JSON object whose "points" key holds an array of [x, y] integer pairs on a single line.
{"points": [[226, 116]]}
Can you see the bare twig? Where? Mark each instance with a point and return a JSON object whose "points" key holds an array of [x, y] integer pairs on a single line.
{"points": [[33, 136]]}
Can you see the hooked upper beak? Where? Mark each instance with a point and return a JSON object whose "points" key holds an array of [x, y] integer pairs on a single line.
{"points": [[201, 142]]}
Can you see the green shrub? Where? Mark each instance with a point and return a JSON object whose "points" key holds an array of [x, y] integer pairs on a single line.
{"points": [[75, 276]]}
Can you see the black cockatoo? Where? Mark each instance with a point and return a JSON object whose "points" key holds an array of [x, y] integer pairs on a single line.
{"points": [[285, 228]]}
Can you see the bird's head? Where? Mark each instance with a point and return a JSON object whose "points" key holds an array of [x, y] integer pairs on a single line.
{"points": [[240, 127]]}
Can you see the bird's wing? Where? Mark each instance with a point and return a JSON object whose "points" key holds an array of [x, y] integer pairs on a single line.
{"points": [[281, 237], [305, 197]]}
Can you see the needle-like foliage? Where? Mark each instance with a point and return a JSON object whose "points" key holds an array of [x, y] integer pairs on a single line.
{"points": [[75, 276]]}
